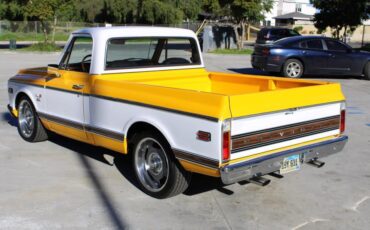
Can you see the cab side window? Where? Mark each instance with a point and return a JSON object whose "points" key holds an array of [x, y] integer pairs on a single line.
{"points": [[78, 55]]}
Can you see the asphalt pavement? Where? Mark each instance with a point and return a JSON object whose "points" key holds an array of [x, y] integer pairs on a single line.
{"points": [[64, 184]]}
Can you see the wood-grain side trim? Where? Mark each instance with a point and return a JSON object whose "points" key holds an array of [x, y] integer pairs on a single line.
{"points": [[283, 133]]}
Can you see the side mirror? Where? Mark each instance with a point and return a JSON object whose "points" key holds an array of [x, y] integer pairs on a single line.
{"points": [[53, 72]]}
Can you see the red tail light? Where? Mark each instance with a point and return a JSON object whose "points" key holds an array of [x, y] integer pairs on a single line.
{"points": [[342, 120], [226, 129], [226, 146]]}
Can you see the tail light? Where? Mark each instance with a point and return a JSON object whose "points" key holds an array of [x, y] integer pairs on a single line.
{"points": [[265, 51], [226, 144], [342, 117]]}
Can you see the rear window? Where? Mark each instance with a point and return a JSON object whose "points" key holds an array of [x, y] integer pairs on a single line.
{"points": [[125, 53], [279, 32]]}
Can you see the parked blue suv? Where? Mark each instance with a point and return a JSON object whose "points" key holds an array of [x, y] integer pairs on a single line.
{"points": [[296, 56]]}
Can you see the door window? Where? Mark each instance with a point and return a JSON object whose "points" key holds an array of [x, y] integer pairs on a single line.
{"points": [[335, 46], [78, 55], [314, 44]]}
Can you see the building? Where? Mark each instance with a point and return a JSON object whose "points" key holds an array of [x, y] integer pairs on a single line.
{"points": [[289, 11]]}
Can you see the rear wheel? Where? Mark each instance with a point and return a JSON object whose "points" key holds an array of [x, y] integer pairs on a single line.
{"points": [[159, 174], [293, 68], [29, 124], [367, 71]]}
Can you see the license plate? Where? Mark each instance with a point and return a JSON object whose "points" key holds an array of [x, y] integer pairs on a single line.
{"points": [[290, 164]]}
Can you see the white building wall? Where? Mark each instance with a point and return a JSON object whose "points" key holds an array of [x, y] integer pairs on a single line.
{"points": [[288, 6]]}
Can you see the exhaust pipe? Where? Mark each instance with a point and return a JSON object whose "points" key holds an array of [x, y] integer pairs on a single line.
{"points": [[276, 175], [316, 163], [258, 180]]}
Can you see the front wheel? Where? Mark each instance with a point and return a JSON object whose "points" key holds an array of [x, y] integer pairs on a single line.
{"points": [[157, 171], [29, 124], [293, 68]]}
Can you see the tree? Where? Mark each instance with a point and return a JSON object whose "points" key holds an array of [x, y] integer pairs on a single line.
{"points": [[47, 10], [240, 11], [342, 16], [247, 12]]}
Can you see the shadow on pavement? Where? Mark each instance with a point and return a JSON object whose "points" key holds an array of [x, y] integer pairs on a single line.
{"points": [[5, 116], [83, 151], [199, 183]]}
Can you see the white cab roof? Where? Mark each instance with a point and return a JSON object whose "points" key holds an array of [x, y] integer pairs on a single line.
{"points": [[135, 31], [101, 35]]}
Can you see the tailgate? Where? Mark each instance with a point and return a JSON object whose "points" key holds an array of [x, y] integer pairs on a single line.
{"points": [[275, 119]]}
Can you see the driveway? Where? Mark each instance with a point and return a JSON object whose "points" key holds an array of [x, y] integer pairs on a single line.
{"points": [[64, 184]]}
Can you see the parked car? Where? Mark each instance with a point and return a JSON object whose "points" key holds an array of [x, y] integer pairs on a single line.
{"points": [[269, 35], [144, 91], [296, 56]]}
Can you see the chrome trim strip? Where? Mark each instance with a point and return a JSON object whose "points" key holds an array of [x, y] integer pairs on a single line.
{"points": [[99, 131], [196, 159]]}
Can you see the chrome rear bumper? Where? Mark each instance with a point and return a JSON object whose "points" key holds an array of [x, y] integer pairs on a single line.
{"points": [[271, 163]]}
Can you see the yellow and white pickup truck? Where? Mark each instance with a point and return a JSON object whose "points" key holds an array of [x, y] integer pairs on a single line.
{"points": [[144, 91]]}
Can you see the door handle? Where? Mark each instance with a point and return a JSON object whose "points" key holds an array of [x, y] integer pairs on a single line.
{"points": [[77, 86], [303, 52]]}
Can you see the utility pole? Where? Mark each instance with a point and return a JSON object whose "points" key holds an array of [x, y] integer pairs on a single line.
{"points": [[363, 35]]}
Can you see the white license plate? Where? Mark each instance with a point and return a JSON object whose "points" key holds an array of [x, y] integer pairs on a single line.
{"points": [[290, 164]]}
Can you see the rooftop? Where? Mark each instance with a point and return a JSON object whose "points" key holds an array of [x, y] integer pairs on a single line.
{"points": [[295, 16]]}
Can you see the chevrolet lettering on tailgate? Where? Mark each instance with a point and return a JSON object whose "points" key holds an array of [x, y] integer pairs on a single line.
{"points": [[144, 91]]}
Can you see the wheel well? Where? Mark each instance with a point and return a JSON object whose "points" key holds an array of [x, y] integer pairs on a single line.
{"points": [[18, 98], [139, 127]]}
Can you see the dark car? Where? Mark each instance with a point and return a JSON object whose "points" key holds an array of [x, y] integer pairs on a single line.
{"points": [[269, 35], [296, 56]]}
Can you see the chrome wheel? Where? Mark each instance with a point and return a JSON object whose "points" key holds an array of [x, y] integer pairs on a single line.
{"points": [[26, 118], [293, 70], [151, 164]]}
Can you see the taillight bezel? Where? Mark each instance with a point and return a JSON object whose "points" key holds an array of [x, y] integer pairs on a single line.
{"points": [[226, 141], [342, 125]]}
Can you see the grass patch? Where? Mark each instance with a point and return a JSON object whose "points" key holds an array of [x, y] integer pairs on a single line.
{"points": [[43, 47], [232, 51], [31, 36]]}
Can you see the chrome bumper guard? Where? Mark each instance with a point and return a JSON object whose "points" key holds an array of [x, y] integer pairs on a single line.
{"points": [[271, 163]]}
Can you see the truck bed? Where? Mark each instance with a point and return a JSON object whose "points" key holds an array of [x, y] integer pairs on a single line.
{"points": [[220, 83], [219, 95]]}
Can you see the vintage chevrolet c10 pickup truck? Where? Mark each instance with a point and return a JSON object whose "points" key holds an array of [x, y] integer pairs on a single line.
{"points": [[144, 91]]}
